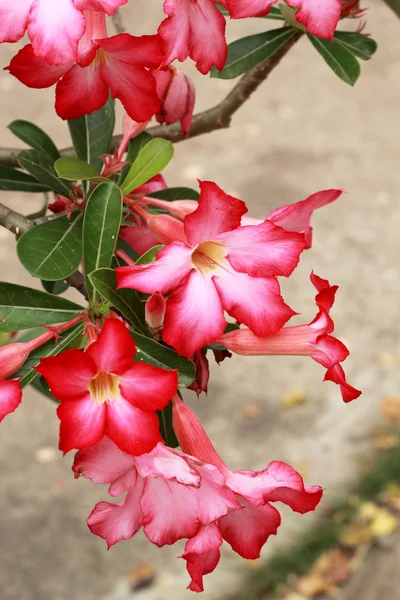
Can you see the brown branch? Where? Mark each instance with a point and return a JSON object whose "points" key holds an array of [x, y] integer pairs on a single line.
{"points": [[18, 224], [217, 117]]}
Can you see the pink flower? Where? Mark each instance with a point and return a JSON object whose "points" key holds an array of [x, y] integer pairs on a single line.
{"points": [[103, 391], [177, 92], [302, 340], [54, 28], [320, 18], [10, 396], [120, 64], [195, 29], [190, 494], [155, 312], [218, 265]]}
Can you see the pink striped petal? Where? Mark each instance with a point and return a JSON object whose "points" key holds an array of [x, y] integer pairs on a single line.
{"points": [[103, 462], [10, 397], [248, 529], [68, 374], [254, 301], [147, 387], [202, 555], [173, 263], [107, 6], [264, 250], [114, 349], [217, 213], [55, 29], [133, 430], [194, 315], [81, 91], [320, 17], [34, 71], [168, 464], [238, 9], [13, 19], [82, 423]]}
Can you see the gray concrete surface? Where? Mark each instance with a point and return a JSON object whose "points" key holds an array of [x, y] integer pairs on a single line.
{"points": [[305, 130]]}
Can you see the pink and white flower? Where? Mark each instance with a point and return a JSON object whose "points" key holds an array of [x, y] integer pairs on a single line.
{"points": [[102, 391], [10, 396], [302, 340], [54, 28], [216, 265]]}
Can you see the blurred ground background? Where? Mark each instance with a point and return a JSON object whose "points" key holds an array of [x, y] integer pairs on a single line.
{"points": [[304, 130]]}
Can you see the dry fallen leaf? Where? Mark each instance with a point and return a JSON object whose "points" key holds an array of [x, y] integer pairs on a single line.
{"points": [[390, 408], [251, 411], [142, 576], [296, 397], [329, 570], [370, 522], [385, 440], [391, 496]]}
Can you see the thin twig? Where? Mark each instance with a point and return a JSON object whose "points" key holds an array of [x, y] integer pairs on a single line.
{"points": [[217, 117]]}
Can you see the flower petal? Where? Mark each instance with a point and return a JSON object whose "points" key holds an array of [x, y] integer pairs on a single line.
{"points": [[172, 265], [116, 522], [34, 71], [214, 498], [167, 463], [297, 216], [194, 315], [202, 555], [336, 374], [103, 462], [68, 374], [147, 387], [133, 430], [217, 213], [239, 9], [82, 423], [80, 92], [263, 250], [107, 6], [254, 301], [248, 529], [114, 349], [13, 19], [55, 29], [10, 396], [320, 17]]}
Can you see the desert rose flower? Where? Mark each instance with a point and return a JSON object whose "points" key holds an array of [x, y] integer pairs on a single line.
{"points": [[218, 265], [120, 64], [302, 340], [103, 391], [177, 95], [10, 396], [54, 28]]}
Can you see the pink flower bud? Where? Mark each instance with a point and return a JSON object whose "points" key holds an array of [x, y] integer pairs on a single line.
{"points": [[178, 208], [200, 384], [130, 129], [155, 311], [176, 90]]}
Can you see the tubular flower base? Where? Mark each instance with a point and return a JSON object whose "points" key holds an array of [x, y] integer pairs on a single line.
{"points": [[203, 501], [302, 340], [218, 265], [102, 391]]}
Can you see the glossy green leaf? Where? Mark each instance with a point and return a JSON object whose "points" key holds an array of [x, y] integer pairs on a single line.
{"points": [[52, 348], [41, 166], [246, 53], [358, 44], [340, 60], [24, 308], [91, 134], [74, 169], [274, 13], [55, 287], [13, 180], [35, 137], [150, 161], [149, 256], [52, 250], [134, 147], [176, 193], [158, 355], [166, 429], [100, 230], [125, 300]]}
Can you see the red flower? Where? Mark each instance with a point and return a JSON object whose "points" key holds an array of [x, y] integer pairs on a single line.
{"points": [[103, 391]]}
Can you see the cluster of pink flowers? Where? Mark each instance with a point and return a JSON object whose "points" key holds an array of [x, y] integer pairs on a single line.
{"points": [[70, 47]]}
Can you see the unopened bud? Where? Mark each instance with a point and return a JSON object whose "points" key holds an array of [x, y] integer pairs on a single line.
{"points": [[177, 208], [177, 92], [200, 384], [130, 129], [155, 311]]}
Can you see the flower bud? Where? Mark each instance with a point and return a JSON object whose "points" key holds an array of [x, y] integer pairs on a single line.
{"points": [[130, 129], [200, 384], [155, 311], [176, 90], [177, 208]]}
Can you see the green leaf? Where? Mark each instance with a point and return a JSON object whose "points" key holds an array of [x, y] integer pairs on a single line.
{"points": [[35, 137], [24, 308], [246, 53], [41, 166], [274, 13], [134, 147], [55, 287], [125, 300], [176, 193], [358, 44], [156, 354], [100, 230], [74, 169], [52, 348], [12, 180], [150, 161], [166, 429], [149, 256], [91, 134], [341, 61], [52, 250]]}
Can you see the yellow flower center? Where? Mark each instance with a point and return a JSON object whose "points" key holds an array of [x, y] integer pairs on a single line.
{"points": [[104, 387], [208, 256]]}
